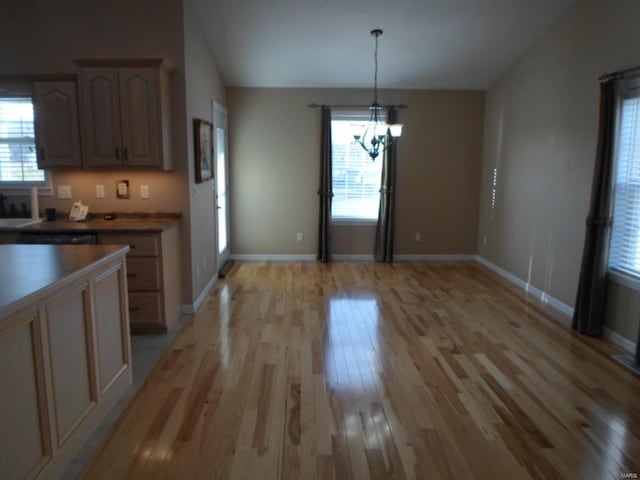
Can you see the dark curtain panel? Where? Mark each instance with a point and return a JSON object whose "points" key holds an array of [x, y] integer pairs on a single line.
{"points": [[383, 251], [636, 357], [588, 316], [326, 190]]}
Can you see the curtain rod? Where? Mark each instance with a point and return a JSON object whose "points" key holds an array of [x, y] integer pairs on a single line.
{"points": [[315, 105], [608, 76]]}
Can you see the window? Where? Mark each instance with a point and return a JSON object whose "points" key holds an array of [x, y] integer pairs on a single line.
{"points": [[356, 178], [18, 163], [625, 240]]}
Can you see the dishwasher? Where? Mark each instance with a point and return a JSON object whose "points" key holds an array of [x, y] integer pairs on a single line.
{"points": [[58, 238]]}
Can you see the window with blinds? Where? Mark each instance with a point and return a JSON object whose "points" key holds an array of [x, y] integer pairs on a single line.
{"points": [[625, 239], [356, 178], [18, 163]]}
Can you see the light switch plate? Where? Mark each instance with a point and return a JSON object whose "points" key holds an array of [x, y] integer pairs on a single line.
{"points": [[64, 191], [99, 191], [144, 191], [122, 189]]}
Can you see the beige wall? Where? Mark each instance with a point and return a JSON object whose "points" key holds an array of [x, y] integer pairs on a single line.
{"points": [[274, 152], [540, 135], [203, 86]]}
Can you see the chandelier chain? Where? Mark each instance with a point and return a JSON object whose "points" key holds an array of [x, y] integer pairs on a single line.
{"points": [[375, 73]]}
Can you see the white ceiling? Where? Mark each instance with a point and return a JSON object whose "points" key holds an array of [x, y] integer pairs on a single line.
{"points": [[450, 44]]}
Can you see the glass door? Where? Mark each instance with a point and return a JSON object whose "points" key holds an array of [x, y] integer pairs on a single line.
{"points": [[221, 184]]}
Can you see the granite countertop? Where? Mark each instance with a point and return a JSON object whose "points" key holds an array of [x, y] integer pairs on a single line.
{"points": [[98, 224], [31, 270]]}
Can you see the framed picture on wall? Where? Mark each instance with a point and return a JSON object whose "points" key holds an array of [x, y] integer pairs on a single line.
{"points": [[203, 136]]}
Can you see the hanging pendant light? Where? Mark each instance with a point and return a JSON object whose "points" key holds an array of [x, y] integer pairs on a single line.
{"points": [[377, 135]]}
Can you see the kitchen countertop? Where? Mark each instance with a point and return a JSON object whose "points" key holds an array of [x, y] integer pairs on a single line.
{"points": [[31, 270], [150, 224]]}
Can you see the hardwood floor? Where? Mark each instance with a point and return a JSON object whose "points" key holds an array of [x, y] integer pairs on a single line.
{"points": [[360, 370]]}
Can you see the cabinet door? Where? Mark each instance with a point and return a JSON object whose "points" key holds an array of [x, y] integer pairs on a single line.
{"points": [[56, 122], [140, 116], [24, 434], [102, 145]]}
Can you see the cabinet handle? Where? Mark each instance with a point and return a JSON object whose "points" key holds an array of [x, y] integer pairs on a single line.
{"points": [[117, 153], [132, 274], [134, 309], [41, 154], [132, 247], [126, 153]]}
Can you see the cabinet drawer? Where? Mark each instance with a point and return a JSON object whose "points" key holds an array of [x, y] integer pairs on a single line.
{"points": [[145, 309], [143, 274], [141, 245]]}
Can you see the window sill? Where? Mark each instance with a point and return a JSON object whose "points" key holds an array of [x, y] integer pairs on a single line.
{"points": [[353, 222], [44, 191], [624, 279]]}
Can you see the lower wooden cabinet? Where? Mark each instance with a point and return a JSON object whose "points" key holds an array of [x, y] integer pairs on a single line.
{"points": [[153, 273], [145, 308], [65, 362], [24, 417]]}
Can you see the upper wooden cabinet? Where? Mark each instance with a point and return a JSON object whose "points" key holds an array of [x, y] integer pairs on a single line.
{"points": [[125, 113], [56, 124]]}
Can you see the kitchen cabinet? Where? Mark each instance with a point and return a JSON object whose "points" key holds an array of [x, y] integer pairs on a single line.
{"points": [[125, 113], [153, 273], [66, 353], [56, 124]]}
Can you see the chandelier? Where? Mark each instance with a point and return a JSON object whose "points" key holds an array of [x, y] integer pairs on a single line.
{"points": [[377, 135]]}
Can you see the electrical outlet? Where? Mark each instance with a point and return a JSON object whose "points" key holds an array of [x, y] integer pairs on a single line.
{"points": [[99, 191], [299, 236], [64, 191], [418, 236], [144, 191]]}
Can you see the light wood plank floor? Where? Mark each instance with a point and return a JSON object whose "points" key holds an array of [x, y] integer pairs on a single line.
{"points": [[412, 370]]}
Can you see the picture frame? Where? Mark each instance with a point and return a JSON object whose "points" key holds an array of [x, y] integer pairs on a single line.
{"points": [[203, 139]]}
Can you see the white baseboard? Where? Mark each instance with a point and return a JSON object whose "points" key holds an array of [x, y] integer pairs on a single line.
{"points": [[543, 297], [563, 308], [266, 257], [619, 340], [191, 309], [433, 258], [272, 257]]}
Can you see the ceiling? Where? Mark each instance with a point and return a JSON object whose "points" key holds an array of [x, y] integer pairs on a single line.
{"points": [[427, 44]]}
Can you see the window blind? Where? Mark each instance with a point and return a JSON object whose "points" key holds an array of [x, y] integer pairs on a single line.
{"points": [[356, 178], [18, 162], [625, 239]]}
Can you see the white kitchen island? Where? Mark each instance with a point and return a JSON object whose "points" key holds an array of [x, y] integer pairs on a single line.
{"points": [[65, 355]]}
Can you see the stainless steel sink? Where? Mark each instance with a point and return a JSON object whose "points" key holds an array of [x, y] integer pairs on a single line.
{"points": [[17, 222]]}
